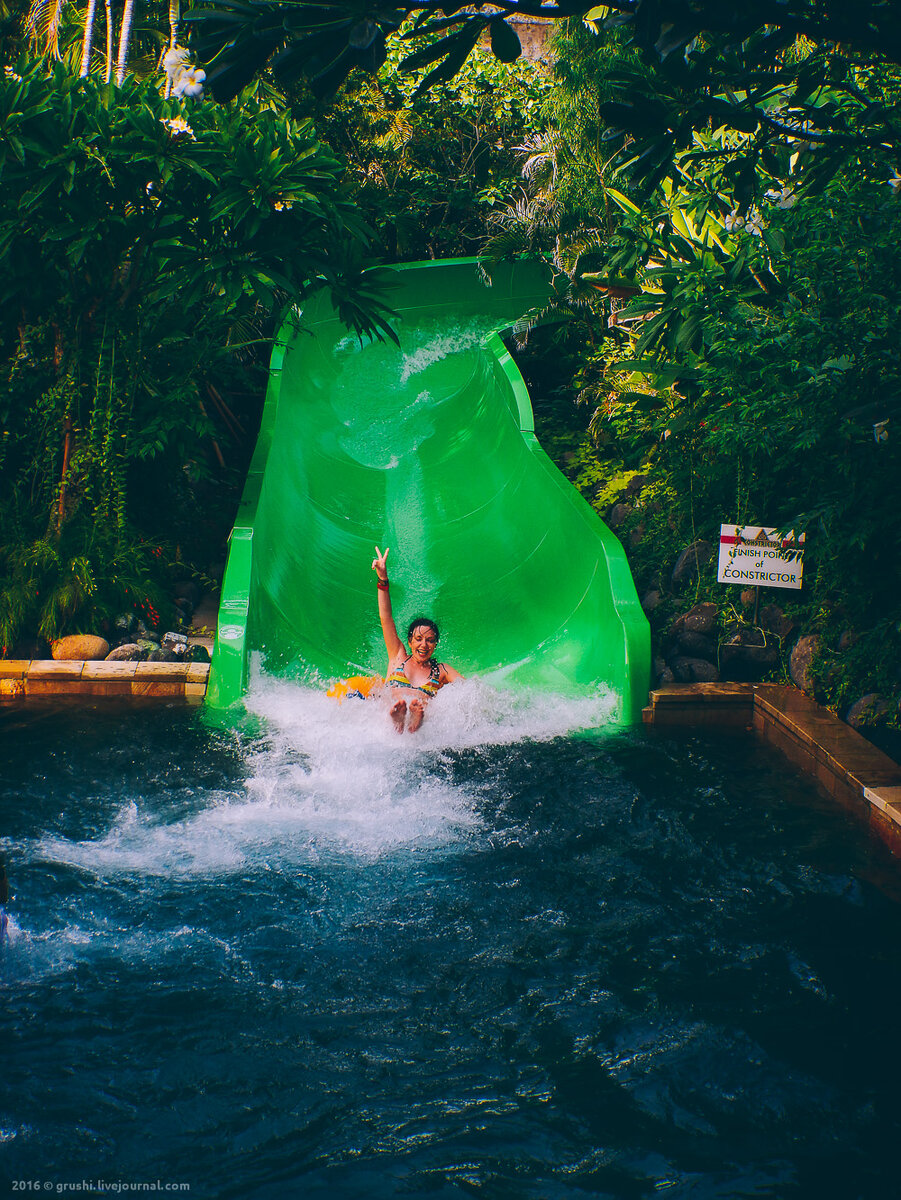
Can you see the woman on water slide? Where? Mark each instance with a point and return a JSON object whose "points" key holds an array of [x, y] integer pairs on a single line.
{"points": [[413, 678]]}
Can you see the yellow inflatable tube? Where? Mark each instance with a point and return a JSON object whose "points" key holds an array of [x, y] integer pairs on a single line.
{"points": [[357, 687]]}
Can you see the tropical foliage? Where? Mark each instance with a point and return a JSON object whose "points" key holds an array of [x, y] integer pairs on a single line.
{"points": [[740, 358], [143, 244], [428, 170]]}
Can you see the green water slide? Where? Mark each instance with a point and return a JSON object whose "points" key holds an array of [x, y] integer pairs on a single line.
{"points": [[430, 450]]}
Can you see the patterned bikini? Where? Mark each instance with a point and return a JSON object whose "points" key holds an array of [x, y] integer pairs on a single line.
{"points": [[398, 679]]}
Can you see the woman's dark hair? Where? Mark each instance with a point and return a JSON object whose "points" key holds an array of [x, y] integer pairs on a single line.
{"points": [[429, 624]]}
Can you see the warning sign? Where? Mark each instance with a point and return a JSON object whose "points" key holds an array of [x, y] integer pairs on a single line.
{"points": [[753, 556]]}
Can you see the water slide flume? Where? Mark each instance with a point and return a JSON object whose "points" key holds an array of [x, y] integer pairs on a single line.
{"points": [[429, 449]]}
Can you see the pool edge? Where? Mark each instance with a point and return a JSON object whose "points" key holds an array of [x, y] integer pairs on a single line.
{"points": [[21, 679], [842, 763]]}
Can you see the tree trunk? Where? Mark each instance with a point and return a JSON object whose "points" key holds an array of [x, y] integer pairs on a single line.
{"points": [[174, 21], [88, 38], [109, 40], [68, 431], [124, 36]]}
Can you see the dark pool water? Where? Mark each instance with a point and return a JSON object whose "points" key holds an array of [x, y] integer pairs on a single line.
{"points": [[512, 960]]}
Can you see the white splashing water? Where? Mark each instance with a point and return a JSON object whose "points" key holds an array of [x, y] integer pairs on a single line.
{"points": [[331, 780]]}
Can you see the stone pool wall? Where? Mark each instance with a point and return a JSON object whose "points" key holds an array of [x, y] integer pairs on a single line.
{"points": [[22, 678], [844, 764]]}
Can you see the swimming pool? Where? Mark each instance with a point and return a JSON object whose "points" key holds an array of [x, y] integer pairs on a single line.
{"points": [[514, 957]]}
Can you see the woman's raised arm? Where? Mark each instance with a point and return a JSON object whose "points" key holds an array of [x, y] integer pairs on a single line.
{"points": [[393, 644]]}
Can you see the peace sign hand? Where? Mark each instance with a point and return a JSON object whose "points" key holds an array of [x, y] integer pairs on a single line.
{"points": [[379, 563]]}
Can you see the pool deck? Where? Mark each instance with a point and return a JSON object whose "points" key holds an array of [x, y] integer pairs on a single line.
{"points": [[842, 762]]}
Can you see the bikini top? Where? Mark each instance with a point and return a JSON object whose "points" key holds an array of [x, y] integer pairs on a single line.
{"points": [[398, 678]]}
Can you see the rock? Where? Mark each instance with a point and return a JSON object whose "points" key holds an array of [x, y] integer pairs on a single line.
{"points": [[696, 645], [636, 534], [162, 656], [666, 676], [747, 656], [748, 597], [805, 649], [80, 647], [147, 645], [198, 654], [144, 632], [846, 641], [650, 601], [618, 514], [635, 484], [691, 560], [774, 620], [700, 619], [123, 625], [187, 589], [128, 652], [176, 642], [694, 670], [868, 710]]}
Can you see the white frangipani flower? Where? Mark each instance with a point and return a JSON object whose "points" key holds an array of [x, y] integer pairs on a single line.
{"points": [[174, 58], [749, 222], [179, 127], [189, 82], [182, 78], [782, 199]]}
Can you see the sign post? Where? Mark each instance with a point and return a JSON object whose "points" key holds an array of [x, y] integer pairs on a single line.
{"points": [[756, 556]]}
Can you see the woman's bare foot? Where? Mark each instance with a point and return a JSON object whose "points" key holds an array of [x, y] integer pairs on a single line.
{"points": [[417, 712], [398, 714]]}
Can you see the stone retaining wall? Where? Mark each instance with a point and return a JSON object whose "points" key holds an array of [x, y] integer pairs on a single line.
{"points": [[22, 678]]}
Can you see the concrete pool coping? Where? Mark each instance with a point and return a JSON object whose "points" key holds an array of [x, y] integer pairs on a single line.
{"points": [[23, 678], [844, 765]]}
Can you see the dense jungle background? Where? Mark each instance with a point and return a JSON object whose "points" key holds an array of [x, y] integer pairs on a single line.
{"points": [[725, 207]]}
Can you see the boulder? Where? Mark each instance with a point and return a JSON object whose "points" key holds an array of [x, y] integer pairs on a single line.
{"points": [[197, 654], [162, 656], [635, 484], [696, 645], [635, 535], [124, 625], [846, 640], [618, 514], [80, 647], [176, 642], [694, 670], [691, 560], [650, 601], [700, 619], [748, 597], [805, 649], [128, 652], [868, 710], [774, 620], [748, 656]]}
